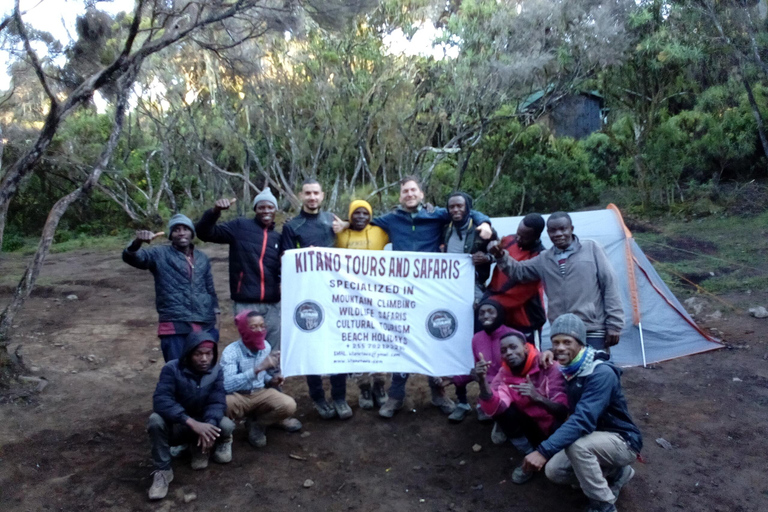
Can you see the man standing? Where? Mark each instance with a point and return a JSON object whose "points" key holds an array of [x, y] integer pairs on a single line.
{"points": [[361, 235], [578, 279], [523, 302], [184, 295], [413, 228], [189, 405], [314, 228], [596, 445], [252, 378], [254, 257], [526, 400], [461, 237]]}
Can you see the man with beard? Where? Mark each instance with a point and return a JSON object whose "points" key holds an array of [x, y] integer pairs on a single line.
{"points": [[526, 400], [252, 380], [189, 404], [184, 294], [315, 228], [596, 445], [578, 279], [523, 303], [490, 318], [460, 237], [254, 257], [362, 236]]}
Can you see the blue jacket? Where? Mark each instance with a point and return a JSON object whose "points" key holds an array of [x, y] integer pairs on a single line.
{"points": [[182, 393], [597, 403], [178, 297], [420, 231]]}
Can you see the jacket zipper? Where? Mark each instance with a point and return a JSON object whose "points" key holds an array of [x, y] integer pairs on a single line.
{"points": [[240, 282], [261, 261]]}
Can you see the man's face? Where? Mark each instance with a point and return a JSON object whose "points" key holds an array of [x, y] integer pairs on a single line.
{"points": [[487, 315], [410, 195], [256, 324], [181, 236], [457, 207], [202, 357], [360, 219], [526, 236], [565, 348], [265, 212], [312, 196], [514, 351], [560, 231]]}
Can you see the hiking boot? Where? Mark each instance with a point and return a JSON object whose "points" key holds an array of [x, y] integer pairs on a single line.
{"points": [[482, 417], [497, 435], [223, 451], [621, 478], [439, 399], [199, 459], [459, 413], [390, 407], [290, 425], [379, 395], [342, 409], [366, 398], [600, 506], [257, 436], [520, 477], [160, 483], [325, 410]]}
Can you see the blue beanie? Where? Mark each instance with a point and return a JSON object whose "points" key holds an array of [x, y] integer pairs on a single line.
{"points": [[184, 221]]}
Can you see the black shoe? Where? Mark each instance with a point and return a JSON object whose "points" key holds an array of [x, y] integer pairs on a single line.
{"points": [[379, 395], [366, 397]]}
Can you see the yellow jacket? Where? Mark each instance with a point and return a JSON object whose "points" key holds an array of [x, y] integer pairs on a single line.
{"points": [[372, 238]]}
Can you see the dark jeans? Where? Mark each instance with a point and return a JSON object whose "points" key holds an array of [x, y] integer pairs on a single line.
{"points": [[397, 388], [338, 387], [172, 345], [515, 424], [163, 434], [461, 393]]}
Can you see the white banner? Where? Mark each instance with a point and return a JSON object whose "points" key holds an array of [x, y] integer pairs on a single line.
{"points": [[347, 311]]}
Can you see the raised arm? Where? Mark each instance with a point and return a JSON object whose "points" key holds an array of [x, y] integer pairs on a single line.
{"points": [[135, 257], [207, 229], [517, 271]]}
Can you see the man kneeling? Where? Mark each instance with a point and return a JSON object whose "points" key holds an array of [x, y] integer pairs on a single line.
{"points": [[526, 400], [596, 445], [251, 376], [189, 405]]}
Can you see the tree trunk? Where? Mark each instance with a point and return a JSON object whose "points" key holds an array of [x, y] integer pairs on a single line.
{"points": [[756, 114]]}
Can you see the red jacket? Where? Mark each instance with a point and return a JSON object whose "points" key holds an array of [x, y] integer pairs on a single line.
{"points": [[524, 302]]}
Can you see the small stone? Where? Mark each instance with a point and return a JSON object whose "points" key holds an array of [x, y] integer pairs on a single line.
{"points": [[305, 434], [476, 448], [758, 312], [736, 379], [478, 487], [74, 371], [308, 483], [190, 497], [72, 297], [462, 463], [153, 360], [664, 443], [91, 358], [716, 315], [417, 468]]}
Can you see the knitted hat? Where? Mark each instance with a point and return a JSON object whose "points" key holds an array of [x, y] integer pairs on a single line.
{"points": [[570, 325], [182, 219], [265, 195], [354, 205]]}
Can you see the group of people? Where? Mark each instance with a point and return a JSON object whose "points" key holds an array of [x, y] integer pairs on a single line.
{"points": [[564, 409]]}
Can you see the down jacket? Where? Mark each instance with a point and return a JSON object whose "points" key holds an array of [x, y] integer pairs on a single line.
{"points": [[254, 255], [182, 393], [178, 297]]}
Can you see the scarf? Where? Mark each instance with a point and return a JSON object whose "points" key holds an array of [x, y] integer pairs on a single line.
{"points": [[583, 360], [253, 340]]}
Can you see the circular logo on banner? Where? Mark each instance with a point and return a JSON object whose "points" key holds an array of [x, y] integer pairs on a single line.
{"points": [[441, 324], [308, 316]]}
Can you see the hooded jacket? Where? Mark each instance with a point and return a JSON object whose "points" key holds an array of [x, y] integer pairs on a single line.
{"points": [[254, 255], [488, 344], [182, 393], [180, 296], [371, 238], [597, 403], [466, 229]]}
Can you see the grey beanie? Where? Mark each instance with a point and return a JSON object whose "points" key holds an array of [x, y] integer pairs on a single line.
{"points": [[570, 325], [265, 195], [182, 219]]}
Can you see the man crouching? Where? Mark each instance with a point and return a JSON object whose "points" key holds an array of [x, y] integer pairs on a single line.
{"points": [[596, 445], [189, 405]]}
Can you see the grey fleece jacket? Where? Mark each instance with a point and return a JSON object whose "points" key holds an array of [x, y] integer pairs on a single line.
{"points": [[589, 289]]}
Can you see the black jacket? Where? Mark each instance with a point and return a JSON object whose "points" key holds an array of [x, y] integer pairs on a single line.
{"points": [[254, 255], [182, 393], [178, 297], [309, 229], [472, 244]]}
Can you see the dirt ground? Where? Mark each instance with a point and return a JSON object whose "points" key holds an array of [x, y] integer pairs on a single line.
{"points": [[81, 444]]}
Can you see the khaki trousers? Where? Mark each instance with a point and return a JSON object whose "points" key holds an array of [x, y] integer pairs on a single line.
{"points": [[266, 406], [587, 460]]}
